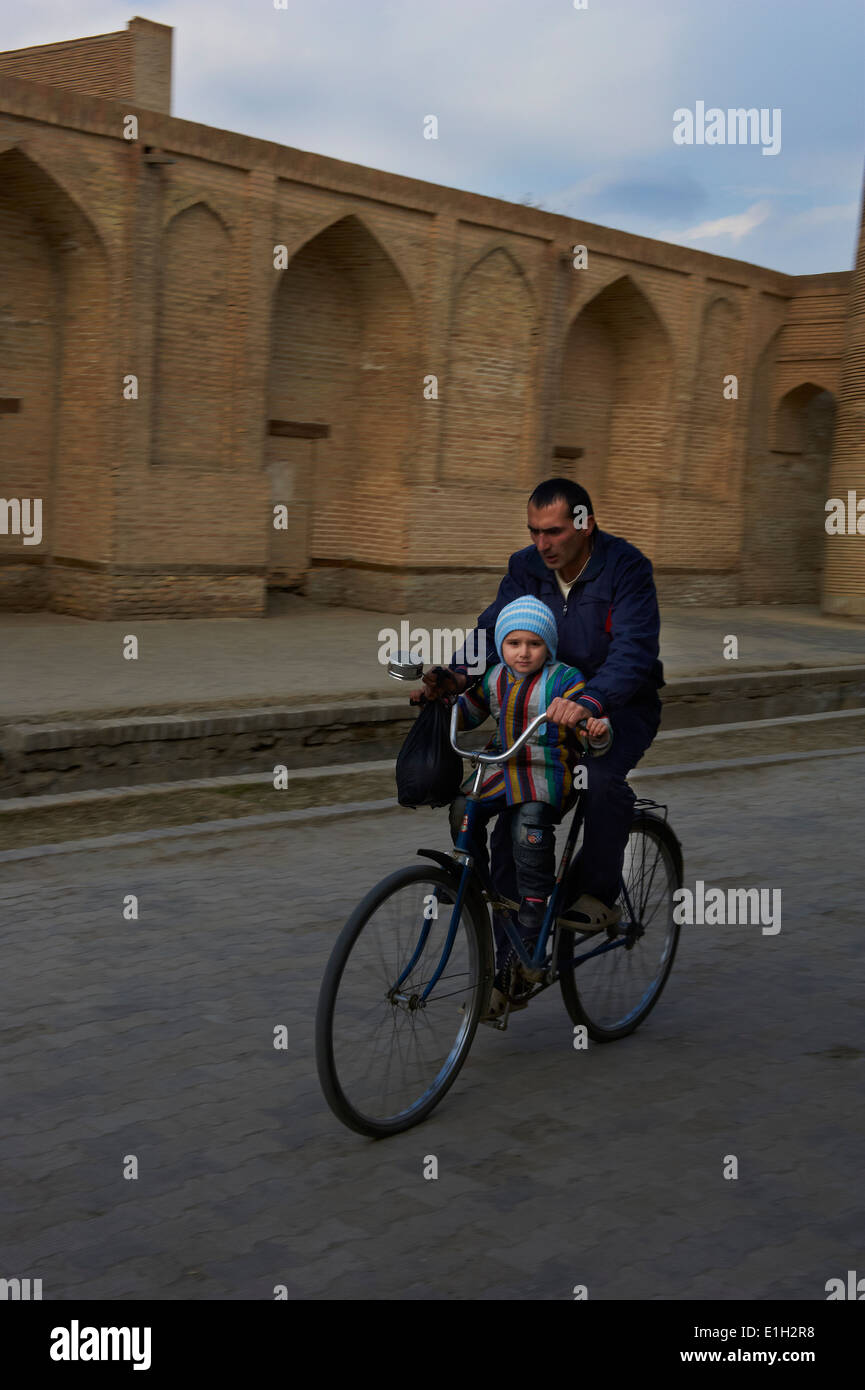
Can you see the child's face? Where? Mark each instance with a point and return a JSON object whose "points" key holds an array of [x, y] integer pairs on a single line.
{"points": [[525, 652]]}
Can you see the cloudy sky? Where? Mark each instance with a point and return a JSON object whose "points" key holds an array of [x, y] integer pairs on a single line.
{"points": [[539, 101]]}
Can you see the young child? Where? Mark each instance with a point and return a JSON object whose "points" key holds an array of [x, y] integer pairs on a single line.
{"points": [[533, 787]]}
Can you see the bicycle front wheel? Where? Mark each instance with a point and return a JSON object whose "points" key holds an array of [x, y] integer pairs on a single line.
{"points": [[612, 992], [385, 1055]]}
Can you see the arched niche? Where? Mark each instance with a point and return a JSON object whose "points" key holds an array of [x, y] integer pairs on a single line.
{"points": [[343, 387]]}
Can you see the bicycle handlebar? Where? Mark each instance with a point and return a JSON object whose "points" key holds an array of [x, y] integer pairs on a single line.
{"points": [[523, 738]]}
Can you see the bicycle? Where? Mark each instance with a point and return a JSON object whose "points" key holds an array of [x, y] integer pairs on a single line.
{"points": [[406, 986]]}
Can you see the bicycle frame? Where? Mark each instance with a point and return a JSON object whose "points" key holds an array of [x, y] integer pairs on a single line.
{"points": [[462, 854]]}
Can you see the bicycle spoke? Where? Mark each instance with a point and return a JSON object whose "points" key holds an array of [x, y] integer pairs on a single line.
{"points": [[614, 990]]}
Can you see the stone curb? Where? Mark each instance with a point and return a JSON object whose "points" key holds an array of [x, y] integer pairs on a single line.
{"points": [[305, 816], [841, 727]]}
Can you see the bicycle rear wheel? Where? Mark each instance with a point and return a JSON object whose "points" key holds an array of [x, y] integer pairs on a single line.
{"points": [[611, 993], [385, 1056]]}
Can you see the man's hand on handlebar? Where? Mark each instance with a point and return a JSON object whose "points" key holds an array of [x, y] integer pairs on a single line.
{"points": [[570, 714], [439, 682]]}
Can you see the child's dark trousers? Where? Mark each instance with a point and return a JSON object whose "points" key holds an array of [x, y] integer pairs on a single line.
{"points": [[532, 837]]}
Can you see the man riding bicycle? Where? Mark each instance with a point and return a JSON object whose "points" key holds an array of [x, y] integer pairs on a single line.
{"points": [[602, 593]]}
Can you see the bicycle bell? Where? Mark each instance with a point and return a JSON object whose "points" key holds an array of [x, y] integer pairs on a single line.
{"points": [[404, 668]]}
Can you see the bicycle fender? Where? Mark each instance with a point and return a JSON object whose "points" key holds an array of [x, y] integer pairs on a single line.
{"points": [[455, 870], [668, 834], [447, 861]]}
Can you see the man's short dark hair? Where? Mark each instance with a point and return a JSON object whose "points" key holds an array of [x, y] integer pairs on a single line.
{"points": [[561, 490]]}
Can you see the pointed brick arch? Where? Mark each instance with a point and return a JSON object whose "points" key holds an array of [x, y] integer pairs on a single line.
{"points": [[195, 200], [343, 389], [53, 330], [785, 488], [492, 363], [497, 249], [364, 227], [191, 370], [791, 417], [60, 207], [613, 405]]}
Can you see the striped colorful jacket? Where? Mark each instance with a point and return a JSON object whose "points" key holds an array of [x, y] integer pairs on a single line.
{"points": [[542, 770]]}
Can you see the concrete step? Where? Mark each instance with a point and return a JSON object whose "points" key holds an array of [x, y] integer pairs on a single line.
{"points": [[44, 819], [66, 756], [832, 729]]}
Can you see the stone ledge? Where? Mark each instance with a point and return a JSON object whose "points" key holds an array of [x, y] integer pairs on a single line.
{"points": [[80, 754], [734, 685], [36, 826], [147, 728]]}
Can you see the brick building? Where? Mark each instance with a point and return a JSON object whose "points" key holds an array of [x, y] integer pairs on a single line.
{"points": [[197, 327]]}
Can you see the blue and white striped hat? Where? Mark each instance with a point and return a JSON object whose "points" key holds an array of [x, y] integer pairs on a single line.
{"points": [[527, 614]]}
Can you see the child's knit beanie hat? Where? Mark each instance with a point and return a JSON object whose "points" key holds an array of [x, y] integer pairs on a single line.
{"points": [[527, 614]]}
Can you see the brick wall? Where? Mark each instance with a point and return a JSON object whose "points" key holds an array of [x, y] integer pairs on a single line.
{"points": [[844, 583], [31, 293], [132, 65], [304, 385]]}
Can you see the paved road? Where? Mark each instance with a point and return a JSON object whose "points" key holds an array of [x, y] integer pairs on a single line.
{"points": [[556, 1167], [55, 665]]}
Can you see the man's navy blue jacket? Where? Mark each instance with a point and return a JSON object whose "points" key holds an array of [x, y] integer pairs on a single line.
{"points": [[609, 630]]}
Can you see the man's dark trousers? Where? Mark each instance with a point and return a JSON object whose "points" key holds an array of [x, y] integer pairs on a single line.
{"points": [[608, 804]]}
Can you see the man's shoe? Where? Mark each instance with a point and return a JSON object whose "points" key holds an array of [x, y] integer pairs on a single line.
{"points": [[589, 914]]}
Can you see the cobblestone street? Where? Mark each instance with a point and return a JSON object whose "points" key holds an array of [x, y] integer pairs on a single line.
{"points": [[557, 1167]]}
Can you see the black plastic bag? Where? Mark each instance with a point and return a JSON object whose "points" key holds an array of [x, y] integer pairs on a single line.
{"points": [[428, 771]]}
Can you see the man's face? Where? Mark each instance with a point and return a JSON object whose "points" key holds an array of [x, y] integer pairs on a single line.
{"points": [[560, 544]]}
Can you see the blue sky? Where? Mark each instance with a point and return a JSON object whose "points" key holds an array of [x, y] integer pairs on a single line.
{"points": [[572, 109]]}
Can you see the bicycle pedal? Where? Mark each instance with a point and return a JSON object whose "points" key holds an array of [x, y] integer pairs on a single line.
{"points": [[502, 904], [507, 1004]]}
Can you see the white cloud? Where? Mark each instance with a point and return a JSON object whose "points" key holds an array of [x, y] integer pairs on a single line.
{"points": [[574, 107], [509, 81], [735, 227], [819, 217]]}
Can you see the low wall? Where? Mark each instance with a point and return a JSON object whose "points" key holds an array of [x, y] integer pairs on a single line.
{"points": [[41, 758]]}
